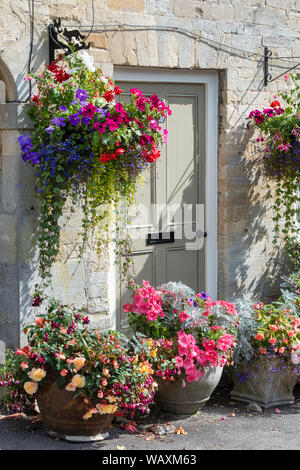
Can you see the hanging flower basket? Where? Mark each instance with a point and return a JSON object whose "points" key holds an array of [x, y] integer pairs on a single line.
{"points": [[278, 156], [87, 147]]}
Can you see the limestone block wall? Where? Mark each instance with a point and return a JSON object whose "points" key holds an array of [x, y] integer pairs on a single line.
{"points": [[185, 34]]}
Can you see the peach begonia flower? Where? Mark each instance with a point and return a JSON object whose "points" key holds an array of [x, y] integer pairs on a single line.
{"points": [[259, 336], [71, 387], [79, 362], [36, 374], [89, 413], [30, 387], [24, 365], [40, 321], [78, 380], [63, 372]]}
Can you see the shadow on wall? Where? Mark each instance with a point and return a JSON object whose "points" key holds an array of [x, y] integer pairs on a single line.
{"points": [[247, 257], [17, 277]]}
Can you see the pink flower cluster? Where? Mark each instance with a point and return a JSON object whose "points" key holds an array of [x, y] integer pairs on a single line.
{"points": [[146, 301], [259, 116], [194, 360]]}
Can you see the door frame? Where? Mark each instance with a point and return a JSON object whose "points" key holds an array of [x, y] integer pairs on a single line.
{"points": [[209, 79]]}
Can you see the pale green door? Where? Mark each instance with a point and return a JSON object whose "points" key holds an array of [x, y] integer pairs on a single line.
{"points": [[171, 199]]}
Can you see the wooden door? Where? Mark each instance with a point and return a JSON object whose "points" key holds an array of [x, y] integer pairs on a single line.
{"points": [[171, 200]]}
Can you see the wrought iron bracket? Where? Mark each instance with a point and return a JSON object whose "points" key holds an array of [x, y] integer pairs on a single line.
{"points": [[62, 39], [267, 75]]}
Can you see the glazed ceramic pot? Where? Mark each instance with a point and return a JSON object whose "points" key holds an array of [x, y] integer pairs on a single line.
{"points": [[265, 381], [62, 414], [186, 398]]}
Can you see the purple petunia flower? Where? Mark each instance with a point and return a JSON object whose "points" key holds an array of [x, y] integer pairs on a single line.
{"points": [[63, 108], [85, 120], [203, 295], [25, 142], [59, 122], [34, 157], [81, 94], [101, 111], [49, 129], [74, 119]]}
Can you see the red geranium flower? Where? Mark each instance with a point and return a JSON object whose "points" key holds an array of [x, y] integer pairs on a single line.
{"points": [[274, 104], [109, 96], [118, 90]]}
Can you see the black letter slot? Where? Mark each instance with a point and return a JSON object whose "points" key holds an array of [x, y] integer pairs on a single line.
{"points": [[156, 238]]}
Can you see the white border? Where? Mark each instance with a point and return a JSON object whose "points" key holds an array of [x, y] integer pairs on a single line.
{"points": [[210, 80]]}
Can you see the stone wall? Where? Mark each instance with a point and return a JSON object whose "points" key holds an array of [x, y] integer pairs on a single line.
{"points": [[186, 34]]}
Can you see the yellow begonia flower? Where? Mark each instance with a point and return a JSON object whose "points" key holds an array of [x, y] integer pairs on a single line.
{"points": [[111, 399], [106, 409], [144, 368], [153, 352]]}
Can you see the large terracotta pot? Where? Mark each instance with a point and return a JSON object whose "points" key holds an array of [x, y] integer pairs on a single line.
{"points": [[265, 381], [62, 414], [174, 398]]}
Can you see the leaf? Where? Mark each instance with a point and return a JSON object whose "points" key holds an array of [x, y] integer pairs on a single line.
{"points": [[59, 179], [60, 381], [180, 430]]}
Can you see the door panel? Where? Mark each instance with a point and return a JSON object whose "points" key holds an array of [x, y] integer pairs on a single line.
{"points": [[172, 189]]}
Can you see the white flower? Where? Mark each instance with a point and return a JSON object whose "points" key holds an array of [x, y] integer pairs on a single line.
{"points": [[87, 59]]}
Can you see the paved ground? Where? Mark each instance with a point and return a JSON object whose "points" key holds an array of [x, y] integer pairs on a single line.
{"points": [[221, 425]]}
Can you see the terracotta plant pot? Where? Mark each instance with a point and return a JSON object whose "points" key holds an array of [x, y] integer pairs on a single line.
{"points": [[62, 414], [265, 381], [174, 398]]}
